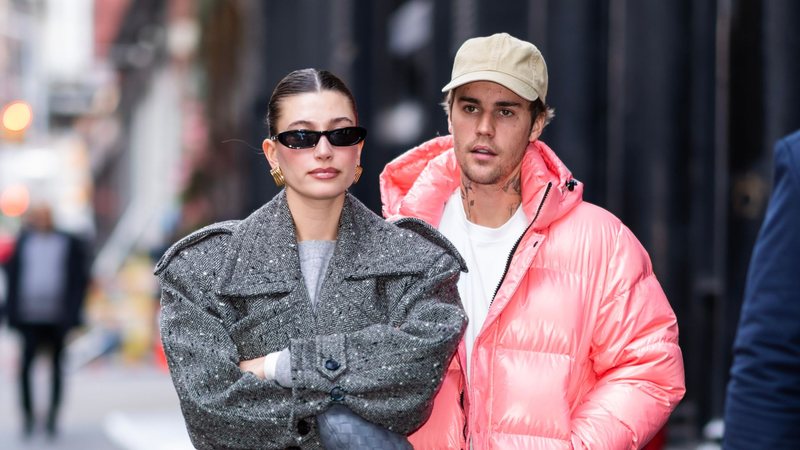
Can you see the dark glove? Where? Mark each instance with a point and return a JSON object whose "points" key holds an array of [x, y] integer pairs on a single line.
{"points": [[342, 429]]}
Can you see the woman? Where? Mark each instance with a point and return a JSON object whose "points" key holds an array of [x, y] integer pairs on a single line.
{"points": [[312, 301]]}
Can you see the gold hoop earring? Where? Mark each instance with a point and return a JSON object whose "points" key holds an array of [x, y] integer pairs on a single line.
{"points": [[277, 175], [359, 171]]}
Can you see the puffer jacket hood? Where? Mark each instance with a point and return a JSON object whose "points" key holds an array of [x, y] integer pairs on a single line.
{"points": [[419, 182]]}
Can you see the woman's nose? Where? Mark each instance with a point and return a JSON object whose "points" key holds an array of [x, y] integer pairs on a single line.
{"points": [[323, 148]]}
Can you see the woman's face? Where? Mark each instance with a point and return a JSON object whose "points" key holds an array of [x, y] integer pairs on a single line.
{"points": [[322, 172]]}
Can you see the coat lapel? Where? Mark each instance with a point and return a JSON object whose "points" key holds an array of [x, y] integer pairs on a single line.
{"points": [[369, 247], [262, 258]]}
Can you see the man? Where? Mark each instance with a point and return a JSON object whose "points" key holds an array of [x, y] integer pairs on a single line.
{"points": [[762, 410], [47, 277], [571, 342]]}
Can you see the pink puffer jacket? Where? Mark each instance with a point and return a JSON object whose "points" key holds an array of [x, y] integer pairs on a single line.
{"points": [[580, 347]]}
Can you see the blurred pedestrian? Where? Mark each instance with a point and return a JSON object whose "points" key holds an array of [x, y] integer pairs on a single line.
{"points": [[311, 323], [762, 408], [47, 276], [571, 342]]}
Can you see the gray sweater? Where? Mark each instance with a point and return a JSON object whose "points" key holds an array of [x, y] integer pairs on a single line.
{"points": [[386, 325]]}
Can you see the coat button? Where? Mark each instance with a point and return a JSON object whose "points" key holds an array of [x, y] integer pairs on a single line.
{"points": [[331, 364], [337, 394], [303, 427]]}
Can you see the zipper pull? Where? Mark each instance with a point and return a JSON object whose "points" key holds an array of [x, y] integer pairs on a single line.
{"points": [[571, 184]]}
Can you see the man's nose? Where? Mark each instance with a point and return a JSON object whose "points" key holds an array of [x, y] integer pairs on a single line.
{"points": [[486, 124]]}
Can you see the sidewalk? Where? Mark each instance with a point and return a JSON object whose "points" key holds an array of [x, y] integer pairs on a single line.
{"points": [[107, 405]]}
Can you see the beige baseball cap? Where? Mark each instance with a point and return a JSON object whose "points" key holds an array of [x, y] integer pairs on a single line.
{"points": [[518, 65]]}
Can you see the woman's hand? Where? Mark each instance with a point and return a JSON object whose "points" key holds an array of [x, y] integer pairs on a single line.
{"points": [[254, 366], [263, 367]]}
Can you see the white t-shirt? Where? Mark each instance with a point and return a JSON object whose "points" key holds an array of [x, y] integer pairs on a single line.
{"points": [[486, 252]]}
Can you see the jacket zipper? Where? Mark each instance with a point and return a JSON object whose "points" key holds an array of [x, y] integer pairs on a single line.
{"points": [[505, 272], [516, 244]]}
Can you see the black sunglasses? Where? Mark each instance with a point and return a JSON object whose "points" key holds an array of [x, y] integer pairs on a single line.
{"points": [[340, 137]]}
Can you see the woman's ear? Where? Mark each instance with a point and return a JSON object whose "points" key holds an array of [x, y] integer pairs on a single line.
{"points": [[268, 146]]}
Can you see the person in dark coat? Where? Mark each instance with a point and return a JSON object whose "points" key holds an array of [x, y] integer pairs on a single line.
{"points": [[47, 277], [762, 409]]}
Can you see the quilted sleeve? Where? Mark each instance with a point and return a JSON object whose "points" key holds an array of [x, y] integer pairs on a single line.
{"points": [[635, 355]]}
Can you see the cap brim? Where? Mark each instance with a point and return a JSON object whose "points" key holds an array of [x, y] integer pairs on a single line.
{"points": [[514, 84]]}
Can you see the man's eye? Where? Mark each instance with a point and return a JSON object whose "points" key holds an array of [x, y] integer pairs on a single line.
{"points": [[470, 108], [506, 112]]}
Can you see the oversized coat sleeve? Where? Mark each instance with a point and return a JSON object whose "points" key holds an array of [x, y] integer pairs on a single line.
{"points": [[392, 369], [635, 355], [224, 408], [762, 408]]}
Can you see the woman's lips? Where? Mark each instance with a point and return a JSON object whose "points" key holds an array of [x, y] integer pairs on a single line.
{"points": [[324, 173]]}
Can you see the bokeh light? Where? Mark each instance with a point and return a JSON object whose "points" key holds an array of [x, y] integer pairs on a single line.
{"points": [[14, 200], [17, 116]]}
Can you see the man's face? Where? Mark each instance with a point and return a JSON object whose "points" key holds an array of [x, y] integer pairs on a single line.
{"points": [[491, 127], [41, 218]]}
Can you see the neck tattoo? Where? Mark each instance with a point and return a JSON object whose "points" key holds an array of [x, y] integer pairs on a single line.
{"points": [[510, 196]]}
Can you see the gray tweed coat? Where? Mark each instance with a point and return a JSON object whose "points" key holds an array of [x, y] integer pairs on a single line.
{"points": [[387, 323]]}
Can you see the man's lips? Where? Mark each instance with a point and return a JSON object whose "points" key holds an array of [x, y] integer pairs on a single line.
{"points": [[482, 151]]}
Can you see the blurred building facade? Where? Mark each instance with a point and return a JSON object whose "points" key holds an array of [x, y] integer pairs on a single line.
{"points": [[45, 73], [667, 111]]}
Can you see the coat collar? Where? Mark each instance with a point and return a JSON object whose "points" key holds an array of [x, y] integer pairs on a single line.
{"points": [[262, 257]]}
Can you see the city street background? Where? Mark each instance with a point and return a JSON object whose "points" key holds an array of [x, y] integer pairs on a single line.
{"points": [[142, 120], [108, 405], [118, 394]]}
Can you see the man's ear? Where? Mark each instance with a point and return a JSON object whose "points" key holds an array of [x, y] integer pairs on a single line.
{"points": [[269, 149], [536, 130], [449, 125]]}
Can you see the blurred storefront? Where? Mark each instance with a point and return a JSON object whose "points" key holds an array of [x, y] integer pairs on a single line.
{"points": [[101, 149]]}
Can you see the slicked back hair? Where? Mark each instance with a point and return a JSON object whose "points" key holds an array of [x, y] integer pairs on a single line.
{"points": [[301, 82]]}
